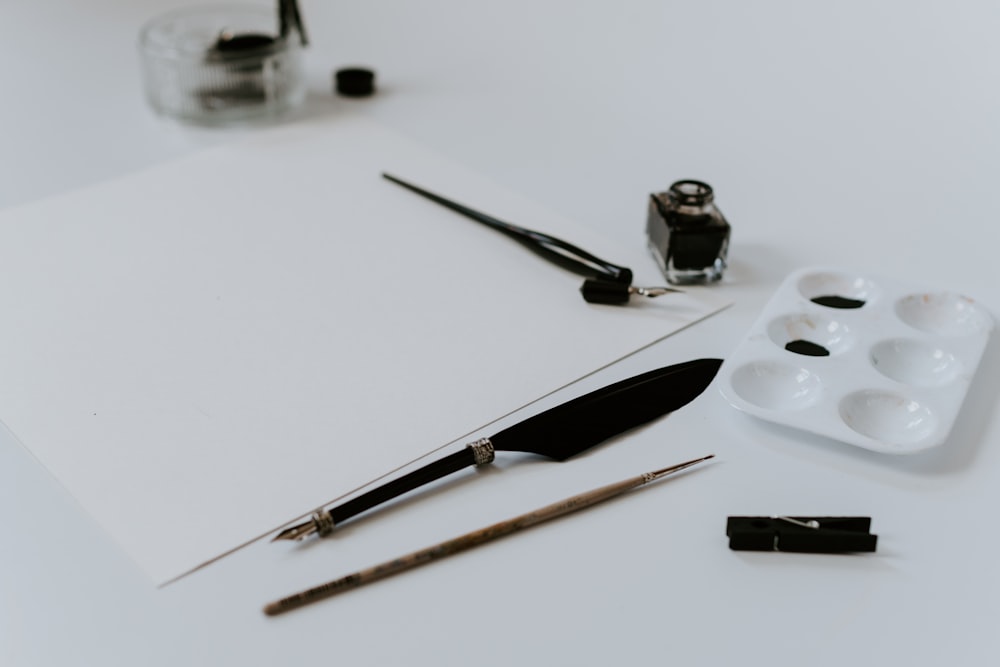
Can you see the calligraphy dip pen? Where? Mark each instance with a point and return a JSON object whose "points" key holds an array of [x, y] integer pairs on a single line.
{"points": [[606, 282], [470, 540], [558, 433]]}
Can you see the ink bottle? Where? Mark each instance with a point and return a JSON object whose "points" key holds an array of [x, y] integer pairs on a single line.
{"points": [[687, 234]]}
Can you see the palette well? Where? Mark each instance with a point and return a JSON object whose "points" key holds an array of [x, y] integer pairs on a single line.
{"points": [[861, 359]]}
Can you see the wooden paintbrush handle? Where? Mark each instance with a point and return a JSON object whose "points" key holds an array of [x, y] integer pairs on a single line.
{"points": [[454, 546]]}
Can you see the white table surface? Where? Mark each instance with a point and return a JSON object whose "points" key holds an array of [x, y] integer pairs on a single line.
{"points": [[855, 134]]}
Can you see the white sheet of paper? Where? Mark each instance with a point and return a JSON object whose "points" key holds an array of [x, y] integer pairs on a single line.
{"points": [[203, 351]]}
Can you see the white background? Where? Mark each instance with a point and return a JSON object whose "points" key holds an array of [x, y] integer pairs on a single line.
{"points": [[857, 134]]}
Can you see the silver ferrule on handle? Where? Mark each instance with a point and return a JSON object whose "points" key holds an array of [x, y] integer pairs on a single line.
{"points": [[482, 451], [323, 522]]}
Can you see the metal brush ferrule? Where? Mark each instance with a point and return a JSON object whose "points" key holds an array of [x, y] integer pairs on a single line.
{"points": [[482, 451]]}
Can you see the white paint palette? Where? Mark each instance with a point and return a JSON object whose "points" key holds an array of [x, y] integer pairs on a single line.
{"points": [[860, 359]]}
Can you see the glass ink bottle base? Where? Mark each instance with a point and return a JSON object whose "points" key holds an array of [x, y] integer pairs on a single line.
{"points": [[679, 276]]}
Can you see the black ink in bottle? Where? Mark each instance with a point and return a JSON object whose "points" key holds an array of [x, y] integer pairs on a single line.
{"points": [[687, 234]]}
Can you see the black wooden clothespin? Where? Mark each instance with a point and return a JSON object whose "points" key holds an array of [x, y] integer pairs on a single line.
{"points": [[804, 534]]}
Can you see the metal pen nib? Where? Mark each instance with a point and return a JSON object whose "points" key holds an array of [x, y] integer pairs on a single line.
{"points": [[652, 291], [297, 532], [320, 522], [613, 292]]}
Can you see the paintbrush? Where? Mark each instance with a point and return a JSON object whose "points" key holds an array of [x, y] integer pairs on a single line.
{"points": [[470, 540]]}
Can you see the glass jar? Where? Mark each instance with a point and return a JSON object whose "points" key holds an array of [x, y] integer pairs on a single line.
{"points": [[687, 234], [221, 64]]}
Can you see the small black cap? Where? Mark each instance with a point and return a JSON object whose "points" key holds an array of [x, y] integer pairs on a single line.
{"points": [[355, 82], [597, 290]]}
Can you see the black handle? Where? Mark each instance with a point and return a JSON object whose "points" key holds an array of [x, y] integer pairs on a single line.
{"points": [[605, 291], [557, 251], [408, 482]]}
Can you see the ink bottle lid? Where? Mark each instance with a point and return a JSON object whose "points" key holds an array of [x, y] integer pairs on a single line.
{"points": [[354, 82], [687, 234], [221, 64], [691, 196]]}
